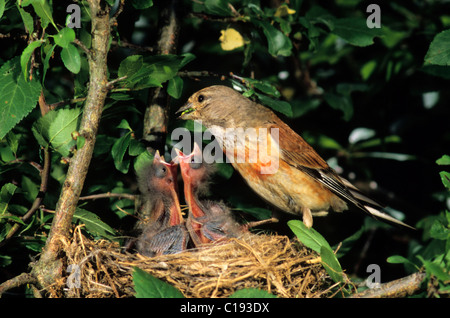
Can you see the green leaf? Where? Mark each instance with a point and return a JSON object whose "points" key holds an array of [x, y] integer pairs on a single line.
{"points": [[118, 152], [445, 178], [44, 11], [17, 96], [355, 31], [278, 42], [142, 160], [149, 72], [439, 51], [277, 105], [142, 4], [6, 194], [444, 160], [175, 87], [27, 19], [308, 236], [93, 223], [217, 7], [252, 293], [148, 286], [2, 7], [398, 259], [331, 264], [71, 58], [46, 62], [342, 103], [64, 37], [55, 129], [26, 55]]}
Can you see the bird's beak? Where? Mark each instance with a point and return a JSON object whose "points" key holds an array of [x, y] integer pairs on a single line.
{"points": [[185, 111]]}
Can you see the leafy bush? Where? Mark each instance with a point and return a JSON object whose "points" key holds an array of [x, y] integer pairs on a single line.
{"points": [[373, 101]]}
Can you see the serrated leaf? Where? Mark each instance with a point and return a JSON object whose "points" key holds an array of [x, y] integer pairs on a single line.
{"points": [[252, 293], [55, 129], [439, 51], [17, 96], [71, 58], [64, 37], [308, 236], [148, 286], [93, 223], [355, 31], [26, 55]]}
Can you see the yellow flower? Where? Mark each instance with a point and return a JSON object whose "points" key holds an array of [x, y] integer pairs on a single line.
{"points": [[230, 39], [284, 10]]}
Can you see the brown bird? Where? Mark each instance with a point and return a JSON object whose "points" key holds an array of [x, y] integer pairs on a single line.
{"points": [[207, 221], [275, 161], [166, 232]]}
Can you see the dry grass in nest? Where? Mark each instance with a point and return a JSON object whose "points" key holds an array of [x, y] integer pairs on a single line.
{"points": [[269, 262]]}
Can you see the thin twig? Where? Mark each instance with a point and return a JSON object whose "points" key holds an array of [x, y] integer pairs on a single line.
{"points": [[109, 195], [83, 47]]}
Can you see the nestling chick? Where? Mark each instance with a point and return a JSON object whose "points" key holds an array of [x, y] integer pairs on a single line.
{"points": [[165, 232], [207, 221]]}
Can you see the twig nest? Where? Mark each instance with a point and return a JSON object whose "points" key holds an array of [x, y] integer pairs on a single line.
{"points": [[269, 262]]}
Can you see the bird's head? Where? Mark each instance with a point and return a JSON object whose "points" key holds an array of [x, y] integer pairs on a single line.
{"points": [[213, 105]]}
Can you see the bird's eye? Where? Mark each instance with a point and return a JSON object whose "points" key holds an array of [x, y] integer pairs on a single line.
{"points": [[201, 98], [195, 163], [161, 172]]}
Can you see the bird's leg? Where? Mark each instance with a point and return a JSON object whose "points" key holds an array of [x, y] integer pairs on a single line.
{"points": [[320, 213], [307, 217]]}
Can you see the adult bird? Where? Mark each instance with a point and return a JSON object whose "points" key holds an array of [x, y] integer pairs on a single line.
{"points": [[275, 161], [165, 232]]}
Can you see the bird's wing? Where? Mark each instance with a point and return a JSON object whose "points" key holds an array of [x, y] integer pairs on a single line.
{"points": [[296, 152]]}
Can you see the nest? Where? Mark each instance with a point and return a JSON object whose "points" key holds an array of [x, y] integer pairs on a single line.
{"points": [[273, 263]]}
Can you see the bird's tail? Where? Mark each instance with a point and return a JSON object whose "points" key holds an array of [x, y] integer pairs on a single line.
{"points": [[372, 207]]}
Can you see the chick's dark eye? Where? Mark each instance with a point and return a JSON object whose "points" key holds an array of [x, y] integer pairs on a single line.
{"points": [[195, 163], [201, 98], [161, 172]]}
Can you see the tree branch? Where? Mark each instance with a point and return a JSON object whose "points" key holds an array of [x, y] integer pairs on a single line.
{"points": [[156, 115], [109, 195], [49, 267], [395, 289]]}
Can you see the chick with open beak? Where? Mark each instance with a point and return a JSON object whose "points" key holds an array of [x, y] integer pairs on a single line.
{"points": [[165, 232], [207, 221]]}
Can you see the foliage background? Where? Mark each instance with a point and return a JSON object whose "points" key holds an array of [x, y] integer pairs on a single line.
{"points": [[367, 99]]}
